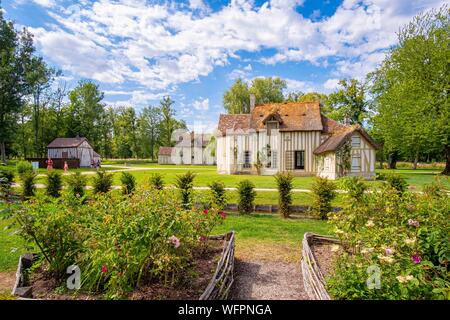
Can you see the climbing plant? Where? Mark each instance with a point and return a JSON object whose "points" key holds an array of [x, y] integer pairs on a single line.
{"points": [[343, 158]]}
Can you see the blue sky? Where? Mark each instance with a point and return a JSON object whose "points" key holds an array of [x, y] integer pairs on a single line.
{"points": [[193, 50]]}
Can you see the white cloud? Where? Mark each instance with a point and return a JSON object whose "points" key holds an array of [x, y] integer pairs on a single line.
{"points": [[202, 105], [159, 46], [331, 84], [296, 86]]}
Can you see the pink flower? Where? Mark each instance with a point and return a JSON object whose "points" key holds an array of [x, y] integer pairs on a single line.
{"points": [[416, 259], [388, 251], [205, 211], [414, 223], [175, 241], [104, 269], [203, 238], [223, 214]]}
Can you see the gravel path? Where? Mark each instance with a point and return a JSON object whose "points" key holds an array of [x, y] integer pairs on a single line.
{"points": [[267, 280]]}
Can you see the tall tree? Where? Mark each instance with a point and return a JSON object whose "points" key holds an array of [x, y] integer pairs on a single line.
{"points": [[411, 88], [266, 90], [314, 97], [16, 52], [149, 130], [348, 103], [85, 112], [168, 123]]}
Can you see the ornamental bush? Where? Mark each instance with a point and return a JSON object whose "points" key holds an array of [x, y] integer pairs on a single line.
{"points": [[396, 182], [6, 180], [27, 180], [403, 236], [75, 184], [23, 167], [53, 184], [102, 182], [218, 197], [117, 241], [156, 181], [128, 182], [284, 183], [355, 187], [185, 184], [323, 193], [247, 194]]}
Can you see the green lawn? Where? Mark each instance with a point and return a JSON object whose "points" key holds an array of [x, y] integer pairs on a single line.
{"points": [[11, 246]]}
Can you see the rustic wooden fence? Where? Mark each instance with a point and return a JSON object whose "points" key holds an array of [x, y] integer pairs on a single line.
{"points": [[223, 278], [313, 279]]}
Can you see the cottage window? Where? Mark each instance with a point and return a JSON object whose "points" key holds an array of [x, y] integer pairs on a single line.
{"points": [[271, 124], [300, 159], [327, 164], [247, 159], [356, 163], [289, 160], [274, 159], [356, 141]]}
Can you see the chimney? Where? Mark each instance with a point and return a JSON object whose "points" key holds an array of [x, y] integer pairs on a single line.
{"points": [[252, 101]]}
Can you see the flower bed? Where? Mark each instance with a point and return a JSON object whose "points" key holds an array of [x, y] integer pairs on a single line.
{"points": [[40, 285], [312, 271], [122, 244]]}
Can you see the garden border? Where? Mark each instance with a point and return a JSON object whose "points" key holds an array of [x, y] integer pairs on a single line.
{"points": [[217, 289], [313, 279]]}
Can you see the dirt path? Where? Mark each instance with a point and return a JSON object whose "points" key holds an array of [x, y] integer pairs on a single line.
{"points": [[7, 281], [266, 280]]}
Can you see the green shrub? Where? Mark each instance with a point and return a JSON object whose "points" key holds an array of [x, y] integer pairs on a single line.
{"points": [[102, 182], [54, 184], [23, 167], [75, 184], [128, 182], [405, 236], [355, 187], [6, 180], [284, 184], [27, 179], [185, 184], [396, 182], [156, 181], [218, 197], [247, 194], [323, 193], [117, 241]]}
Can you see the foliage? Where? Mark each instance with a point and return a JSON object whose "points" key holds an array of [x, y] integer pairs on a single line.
{"points": [[27, 180], [156, 181], [6, 180], [185, 184], [344, 158], [237, 98], [54, 184], [349, 102], [355, 187], [410, 89], [102, 182], [284, 183], [406, 237], [128, 182], [218, 197], [23, 167], [117, 241], [323, 193], [75, 184], [247, 194], [396, 182]]}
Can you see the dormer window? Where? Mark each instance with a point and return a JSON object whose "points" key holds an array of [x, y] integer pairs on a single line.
{"points": [[270, 125]]}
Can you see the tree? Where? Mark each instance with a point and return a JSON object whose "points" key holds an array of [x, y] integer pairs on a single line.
{"points": [[314, 97], [348, 103], [16, 51], [266, 90], [237, 99], [85, 112], [168, 122], [149, 129], [124, 141], [411, 87]]}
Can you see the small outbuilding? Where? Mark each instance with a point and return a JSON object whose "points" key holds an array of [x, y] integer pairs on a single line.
{"points": [[66, 149]]}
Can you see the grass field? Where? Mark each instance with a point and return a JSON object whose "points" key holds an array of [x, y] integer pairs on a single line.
{"points": [[11, 246]]}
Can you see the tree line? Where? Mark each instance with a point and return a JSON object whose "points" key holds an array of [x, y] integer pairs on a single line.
{"points": [[36, 107], [403, 104]]}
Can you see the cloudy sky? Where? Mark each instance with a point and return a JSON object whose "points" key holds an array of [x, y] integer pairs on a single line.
{"points": [[139, 51]]}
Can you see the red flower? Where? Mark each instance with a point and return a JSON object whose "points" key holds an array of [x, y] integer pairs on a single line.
{"points": [[205, 211], [203, 238], [223, 214], [104, 269]]}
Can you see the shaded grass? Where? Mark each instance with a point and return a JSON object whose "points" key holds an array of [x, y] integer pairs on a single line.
{"points": [[11, 246]]}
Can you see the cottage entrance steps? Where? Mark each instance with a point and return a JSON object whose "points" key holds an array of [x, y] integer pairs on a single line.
{"points": [[269, 272]]}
